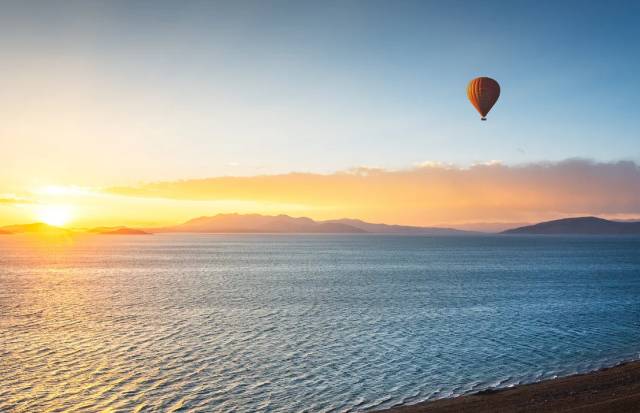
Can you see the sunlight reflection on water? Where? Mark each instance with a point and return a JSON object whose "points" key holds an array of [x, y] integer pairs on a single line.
{"points": [[291, 323]]}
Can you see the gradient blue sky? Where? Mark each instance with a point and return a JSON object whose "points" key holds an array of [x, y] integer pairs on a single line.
{"points": [[135, 91]]}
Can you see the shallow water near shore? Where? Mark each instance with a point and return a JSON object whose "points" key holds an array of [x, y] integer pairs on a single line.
{"points": [[284, 323]]}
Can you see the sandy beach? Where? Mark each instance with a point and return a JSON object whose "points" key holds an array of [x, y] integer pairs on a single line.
{"points": [[615, 389]]}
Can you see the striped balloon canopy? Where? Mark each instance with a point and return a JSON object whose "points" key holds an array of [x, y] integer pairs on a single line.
{"points": [[483, 93]]}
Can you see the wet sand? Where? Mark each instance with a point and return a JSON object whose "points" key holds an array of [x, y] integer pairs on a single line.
{"points": [[615, 389]]}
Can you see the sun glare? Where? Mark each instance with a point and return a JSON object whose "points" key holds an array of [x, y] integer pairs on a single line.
{"points": [[56, 215]]}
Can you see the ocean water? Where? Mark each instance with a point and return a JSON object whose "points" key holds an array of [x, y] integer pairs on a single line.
{"points": [[314, 323]]}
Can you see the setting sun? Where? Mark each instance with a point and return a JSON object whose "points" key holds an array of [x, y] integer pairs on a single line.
{"points": [[56, 215]]}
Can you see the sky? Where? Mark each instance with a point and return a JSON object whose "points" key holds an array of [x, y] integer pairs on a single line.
{"points": [[100, 101]]}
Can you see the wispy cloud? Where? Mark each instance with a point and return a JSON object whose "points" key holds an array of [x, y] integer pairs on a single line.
{"points": [[432, 192]]}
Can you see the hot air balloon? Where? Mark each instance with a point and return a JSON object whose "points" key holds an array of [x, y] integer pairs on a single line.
{"points": [[483, 92]]}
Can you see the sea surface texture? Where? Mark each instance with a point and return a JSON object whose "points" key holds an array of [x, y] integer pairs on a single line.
{"points": [[313, 323]]}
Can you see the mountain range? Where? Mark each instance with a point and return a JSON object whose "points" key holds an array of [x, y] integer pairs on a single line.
{"points": [[284, 224], [579, 226], [255, 223]]}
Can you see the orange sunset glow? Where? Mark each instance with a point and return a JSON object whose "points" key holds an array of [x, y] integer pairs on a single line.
{"points": [[431, 194]]}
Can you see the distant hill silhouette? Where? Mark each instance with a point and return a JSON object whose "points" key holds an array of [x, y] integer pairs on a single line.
{"points": [[119, 231], [255, 223], [248, 223], [37, 227], [398, 229], [489, 227], [579, 226]]}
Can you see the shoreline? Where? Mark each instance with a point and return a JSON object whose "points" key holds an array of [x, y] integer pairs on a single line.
{"points": [[610, 389]]}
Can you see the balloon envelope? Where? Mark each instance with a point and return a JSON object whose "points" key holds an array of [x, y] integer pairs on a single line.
{"points": [[483, 93]]}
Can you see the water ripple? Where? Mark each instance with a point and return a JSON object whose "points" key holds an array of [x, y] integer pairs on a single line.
{"points": [[267, 323]]}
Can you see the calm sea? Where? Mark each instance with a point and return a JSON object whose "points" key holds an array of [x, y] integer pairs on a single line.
{"points": [[287, 323]]}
